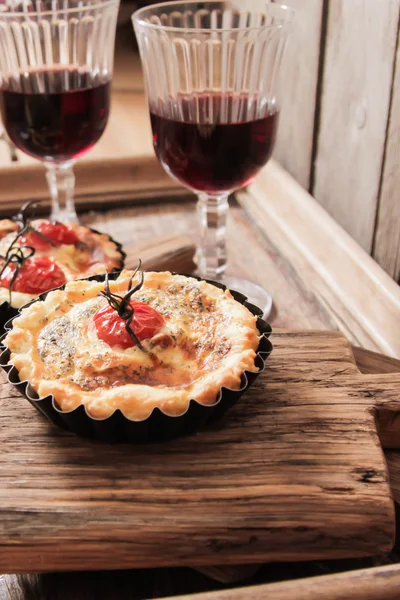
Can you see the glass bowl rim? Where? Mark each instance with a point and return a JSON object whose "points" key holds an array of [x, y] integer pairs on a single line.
{"points": [[137, 19], [84, 8]]}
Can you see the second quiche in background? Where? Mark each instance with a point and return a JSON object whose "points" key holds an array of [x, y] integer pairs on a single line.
{"points": [[39, 255]]}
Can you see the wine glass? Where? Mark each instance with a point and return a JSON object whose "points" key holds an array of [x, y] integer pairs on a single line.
{"points": [[211, 71], [56, 60]]}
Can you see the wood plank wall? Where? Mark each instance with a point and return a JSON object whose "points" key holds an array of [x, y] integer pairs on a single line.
{"points": [[386, 248], [340, 127], [294, 145]]}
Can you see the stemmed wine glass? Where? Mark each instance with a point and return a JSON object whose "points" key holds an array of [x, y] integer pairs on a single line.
{"points": [[56, 60], [211, 71]]}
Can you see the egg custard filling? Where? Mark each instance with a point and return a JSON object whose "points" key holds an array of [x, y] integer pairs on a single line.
{"points": [[186, 340], [38, 264]]}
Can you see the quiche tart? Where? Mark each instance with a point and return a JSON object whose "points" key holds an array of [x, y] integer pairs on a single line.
{"points": [[137, 345], [39, 255]]}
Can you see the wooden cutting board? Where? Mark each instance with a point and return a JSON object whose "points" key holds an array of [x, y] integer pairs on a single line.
{"points": [[294, 471]]}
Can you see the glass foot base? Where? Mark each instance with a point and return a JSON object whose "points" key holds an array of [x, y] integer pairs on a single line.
{"points": [[254, 292], [64, 216]]}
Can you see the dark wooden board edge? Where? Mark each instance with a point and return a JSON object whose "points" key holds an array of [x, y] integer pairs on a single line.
{"points": [[374, 363], [380, 583]]}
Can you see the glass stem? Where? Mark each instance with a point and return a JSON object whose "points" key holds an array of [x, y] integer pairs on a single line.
{"points": [[211, 256], [61, 180]]}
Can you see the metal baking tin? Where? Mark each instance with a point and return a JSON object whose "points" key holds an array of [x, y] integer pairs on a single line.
{"points": [[158, 426]]}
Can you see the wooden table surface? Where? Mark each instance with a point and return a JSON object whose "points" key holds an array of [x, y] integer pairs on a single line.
{"points": [[319, 278]]}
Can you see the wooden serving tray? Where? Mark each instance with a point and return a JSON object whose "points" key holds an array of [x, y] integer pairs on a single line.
{"points": [[294, 470]]}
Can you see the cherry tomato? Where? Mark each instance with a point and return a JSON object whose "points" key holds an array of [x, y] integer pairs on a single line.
{"points": [[111, 329], [37, 275], [58, 233]]}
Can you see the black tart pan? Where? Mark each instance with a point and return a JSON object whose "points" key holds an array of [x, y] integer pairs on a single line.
{"points": [[158, 426]]}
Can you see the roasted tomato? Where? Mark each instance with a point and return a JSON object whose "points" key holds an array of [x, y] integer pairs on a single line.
{"points": [[37, 275], [58, 233], [111, 328]]}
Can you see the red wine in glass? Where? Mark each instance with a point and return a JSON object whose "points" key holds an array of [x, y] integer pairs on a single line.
{"points": [[209, 155], [55, 114]]}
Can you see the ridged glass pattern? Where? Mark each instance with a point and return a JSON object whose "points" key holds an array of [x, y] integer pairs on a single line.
{"points": [[58, 34], [216, 49]]}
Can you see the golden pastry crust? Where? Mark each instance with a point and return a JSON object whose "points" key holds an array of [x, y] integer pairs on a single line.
{"points": [[93, 256], [208, 341]]}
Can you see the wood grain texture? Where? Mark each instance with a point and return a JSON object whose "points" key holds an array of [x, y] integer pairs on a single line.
{"points": [[358, 68], [373, 362], [167, 253], [382, 583], [388, 425], [393, 462], [387, 234], [306, 430], [298, 93], [344, 285]]}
